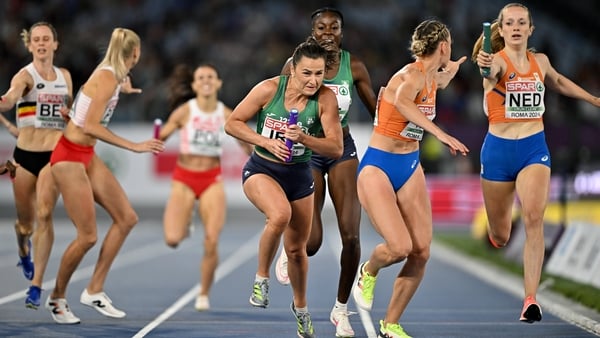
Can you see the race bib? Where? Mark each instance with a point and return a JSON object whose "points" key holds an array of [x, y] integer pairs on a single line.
{"points": [[275, 129], [47, 113], [524, 99], [108, 112], [344, 99], [414, 132]]}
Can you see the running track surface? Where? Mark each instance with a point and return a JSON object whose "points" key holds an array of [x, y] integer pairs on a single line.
{"points": [[157, 285]]}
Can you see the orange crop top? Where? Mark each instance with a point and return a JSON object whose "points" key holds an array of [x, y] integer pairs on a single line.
{"points": [[517, 97], [390, 122]]}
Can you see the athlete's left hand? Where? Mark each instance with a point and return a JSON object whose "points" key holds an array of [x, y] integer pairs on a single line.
{"points": [[127, 87], [294, 133], [453, 66], [149, 146]]}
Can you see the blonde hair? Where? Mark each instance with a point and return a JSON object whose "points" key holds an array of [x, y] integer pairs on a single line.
{"points": [[122, 43], [26, 33], [496, 40], [427, 36]]}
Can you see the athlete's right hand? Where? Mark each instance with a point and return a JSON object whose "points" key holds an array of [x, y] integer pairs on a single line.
{"points": [[277, 148], [484, 59]]}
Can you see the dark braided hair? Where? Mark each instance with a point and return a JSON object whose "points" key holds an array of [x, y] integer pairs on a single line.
{"points": [[316, 13], [427, 36]]}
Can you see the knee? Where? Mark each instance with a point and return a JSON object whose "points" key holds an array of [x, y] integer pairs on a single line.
{"points": [[295, 253], [278, 220], [420, 255], [128, 220], [87, 241], [399, 251], [210, 250], [44, 214], [131, 219], [350, 242], [398, 256], [210, 245], [171, 241], [498, 239], [533, 220]]}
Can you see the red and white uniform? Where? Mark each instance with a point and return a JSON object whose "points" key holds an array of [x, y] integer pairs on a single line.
{"points": [[81, 105], [204, 132]]}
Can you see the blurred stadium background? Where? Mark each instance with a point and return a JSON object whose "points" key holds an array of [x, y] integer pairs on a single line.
{"points": [[249, 41]]}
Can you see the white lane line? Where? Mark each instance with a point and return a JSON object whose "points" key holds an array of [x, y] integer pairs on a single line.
{"points": [[235, 260], [335, 244], [135, 256]]}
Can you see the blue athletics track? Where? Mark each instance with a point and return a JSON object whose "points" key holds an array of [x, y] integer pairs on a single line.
{"points": [[157, 285]]}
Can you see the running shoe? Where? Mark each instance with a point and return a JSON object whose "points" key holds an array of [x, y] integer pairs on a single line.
{"points": [[494, 244], [391, 330], [33, 297], [101, 303], [532, 312], [260, 294], [339, 318], [305, 327], [364, 288], [281, 269], [26, 264], [202, 303], [60, 311]]}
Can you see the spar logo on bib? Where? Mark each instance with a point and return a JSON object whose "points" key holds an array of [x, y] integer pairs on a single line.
{"points": [[524, 94], [522, 86], [274, 129]]}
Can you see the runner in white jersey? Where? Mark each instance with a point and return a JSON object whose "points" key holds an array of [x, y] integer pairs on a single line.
{"points": [[203, 132], [84, 179], [200, 117], [41, 93], [81, 105]]}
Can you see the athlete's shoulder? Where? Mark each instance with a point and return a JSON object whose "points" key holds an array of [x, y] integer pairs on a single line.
{"points": [[542, 59], [327, 96], [269, 85], [23, 78], [64, 70], [412, 71]]}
